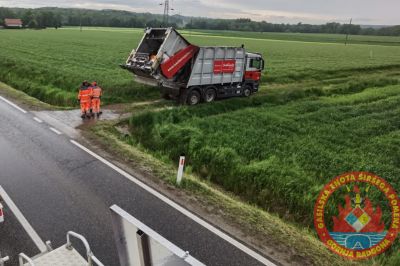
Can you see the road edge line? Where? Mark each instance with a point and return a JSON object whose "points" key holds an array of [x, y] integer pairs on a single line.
{"points": [[23, 221], [13, 105], [179, 208], [55, 130], [37, 119]]}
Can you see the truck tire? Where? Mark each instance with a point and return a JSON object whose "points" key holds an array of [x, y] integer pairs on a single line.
{"points": [[247, 91], [182, 98], [210, 95], [166, 96], [193, 97]]}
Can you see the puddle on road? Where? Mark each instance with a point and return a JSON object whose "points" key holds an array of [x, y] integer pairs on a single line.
{"points": [[68, 121]]}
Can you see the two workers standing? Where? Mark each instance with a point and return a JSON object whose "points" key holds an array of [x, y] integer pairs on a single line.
{"points": [[90, 99]]}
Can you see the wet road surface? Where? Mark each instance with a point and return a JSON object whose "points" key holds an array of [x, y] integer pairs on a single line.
{"points": [[59, 187], [11, 233]]}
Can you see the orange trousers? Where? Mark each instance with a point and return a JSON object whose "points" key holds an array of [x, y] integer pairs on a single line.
{"points": [[85, 106], [96, 105]]}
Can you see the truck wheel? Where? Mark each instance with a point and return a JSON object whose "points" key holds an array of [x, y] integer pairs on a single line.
{"points": [[210, 95], [247, 91], [193, 97], [166, 96]]}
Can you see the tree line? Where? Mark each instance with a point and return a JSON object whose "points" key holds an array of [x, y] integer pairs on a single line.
{"points": [[32, 18], [245, 24], [57, 17]]}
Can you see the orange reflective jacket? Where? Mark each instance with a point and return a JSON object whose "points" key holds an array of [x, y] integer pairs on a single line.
{"points": [[96, 92], [85, 94]]}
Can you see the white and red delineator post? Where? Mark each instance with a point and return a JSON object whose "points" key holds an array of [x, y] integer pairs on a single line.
{"points": [[180, 170], [1, 213]]}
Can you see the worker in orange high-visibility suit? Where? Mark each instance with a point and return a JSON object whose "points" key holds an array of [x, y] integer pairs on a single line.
{"points": [[85, 98], [96, 98]]}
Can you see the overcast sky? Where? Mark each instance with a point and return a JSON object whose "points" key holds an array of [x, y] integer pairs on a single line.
{"points": [[373, 12]]}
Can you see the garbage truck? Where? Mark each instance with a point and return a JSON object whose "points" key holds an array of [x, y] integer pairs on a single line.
{"points": [[192, 74]]}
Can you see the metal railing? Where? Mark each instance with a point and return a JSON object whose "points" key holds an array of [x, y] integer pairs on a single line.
{"points": [[22, 258], [3, 260], [90, 256]]}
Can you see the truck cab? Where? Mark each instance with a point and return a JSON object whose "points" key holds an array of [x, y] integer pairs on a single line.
{"points": [[253, 69]]}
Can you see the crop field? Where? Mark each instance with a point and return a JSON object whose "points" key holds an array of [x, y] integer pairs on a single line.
{"points": [[324, 108], [50, 64]]}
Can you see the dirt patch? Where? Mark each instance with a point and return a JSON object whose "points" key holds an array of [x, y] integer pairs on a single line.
{"points": [[127, 108]]}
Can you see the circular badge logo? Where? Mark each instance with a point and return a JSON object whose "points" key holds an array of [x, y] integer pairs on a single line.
{"points": [[358, 231]]}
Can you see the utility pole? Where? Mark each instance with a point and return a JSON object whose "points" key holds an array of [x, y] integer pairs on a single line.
{"points": [[166, 12], [80, 20], [191, 26], [348, 31]]}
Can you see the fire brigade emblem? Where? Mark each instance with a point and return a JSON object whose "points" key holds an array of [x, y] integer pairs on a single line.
{"points": [[350, 223]]}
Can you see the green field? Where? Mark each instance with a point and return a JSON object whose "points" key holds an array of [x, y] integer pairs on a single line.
{"points": [[50, 64], [304, 37], [324, 108]]}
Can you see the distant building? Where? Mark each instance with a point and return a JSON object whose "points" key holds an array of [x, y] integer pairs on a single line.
{"points": [[13, 23]]}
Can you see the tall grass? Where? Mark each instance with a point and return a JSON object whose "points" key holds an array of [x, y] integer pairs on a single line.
{"points": [[279, 154]]}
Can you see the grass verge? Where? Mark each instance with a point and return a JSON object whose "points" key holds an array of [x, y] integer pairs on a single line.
{"points": [[26, 100], [268, 233]]}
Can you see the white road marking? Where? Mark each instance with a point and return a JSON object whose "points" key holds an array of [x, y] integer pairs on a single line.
{"points": [[13, 105], [37, 120], [176, 206], [23, 221], [55, 130]]}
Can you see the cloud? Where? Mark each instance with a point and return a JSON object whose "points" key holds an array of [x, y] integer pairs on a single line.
{"points": [[278, 11]]}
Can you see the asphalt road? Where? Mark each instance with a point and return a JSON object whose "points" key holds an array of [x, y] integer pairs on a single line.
{"points": [[59, 187], [11, 233]]}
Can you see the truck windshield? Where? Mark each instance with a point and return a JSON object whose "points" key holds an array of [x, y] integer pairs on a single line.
{"points": [[256, 63]]}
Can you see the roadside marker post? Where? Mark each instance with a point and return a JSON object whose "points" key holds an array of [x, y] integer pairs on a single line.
{"points": [[1, 213], [180, 170]]}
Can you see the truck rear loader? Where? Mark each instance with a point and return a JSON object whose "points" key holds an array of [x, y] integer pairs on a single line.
{"points": [[192, 74]]}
